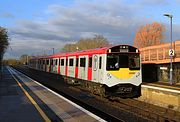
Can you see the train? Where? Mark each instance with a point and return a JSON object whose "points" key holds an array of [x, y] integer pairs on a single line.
{"points": [[106, 71]]}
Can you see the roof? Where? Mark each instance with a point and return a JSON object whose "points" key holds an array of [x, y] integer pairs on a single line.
{"points": [[102, 50]]}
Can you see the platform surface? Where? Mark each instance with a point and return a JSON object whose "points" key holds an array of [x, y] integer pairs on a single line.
{"points": [[14, 104], [64, 109]]}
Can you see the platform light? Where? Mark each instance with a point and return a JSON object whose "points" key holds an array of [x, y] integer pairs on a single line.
{"points": [[171, 70]]}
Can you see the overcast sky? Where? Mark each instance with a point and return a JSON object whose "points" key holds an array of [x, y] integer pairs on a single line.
{"points": [[36, 27]]}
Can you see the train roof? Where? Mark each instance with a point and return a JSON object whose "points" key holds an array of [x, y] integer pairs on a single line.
{"points": [[102, 50]]}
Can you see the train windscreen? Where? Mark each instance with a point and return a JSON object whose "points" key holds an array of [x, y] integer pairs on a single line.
{"points": [[116, 61]]}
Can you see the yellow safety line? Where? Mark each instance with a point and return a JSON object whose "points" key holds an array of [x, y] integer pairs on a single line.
{"points": [[33, 101]]}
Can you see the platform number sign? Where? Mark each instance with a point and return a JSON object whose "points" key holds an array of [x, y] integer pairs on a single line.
{"points": [[171, 52]]}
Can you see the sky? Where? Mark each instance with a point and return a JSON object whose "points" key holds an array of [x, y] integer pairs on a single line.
{"points": [[36, 27]]}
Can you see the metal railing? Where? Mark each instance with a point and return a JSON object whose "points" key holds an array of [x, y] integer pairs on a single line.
{"points": [[159, 54]]}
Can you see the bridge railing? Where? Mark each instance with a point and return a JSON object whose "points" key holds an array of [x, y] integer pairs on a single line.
{"points": [[160, 53]]}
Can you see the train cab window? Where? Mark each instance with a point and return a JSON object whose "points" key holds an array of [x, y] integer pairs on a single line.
{"points": [[71, 62], [77, 61], [100, 62], [90, 62], [112, 62], [62, 62], [123, 61], [82, 62], [134, 62]]}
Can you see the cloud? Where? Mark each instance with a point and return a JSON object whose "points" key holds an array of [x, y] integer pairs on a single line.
{"points": [[154, 2], [7, 15], [115, 20]]}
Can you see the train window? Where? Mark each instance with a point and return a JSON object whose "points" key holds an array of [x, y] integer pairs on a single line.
{"points": [[100, 62], [62, 62], [66, 62], [82, 62], [59, 62], [112, 62], [47, 62], [134, 62], [95, 60], [90, 62], [77, 61], [123, 61], [56, 61], [51, 62], [71, 62]]}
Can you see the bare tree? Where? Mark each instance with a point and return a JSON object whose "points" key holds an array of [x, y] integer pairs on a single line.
{"points": [[150, 34], [87, 43]]}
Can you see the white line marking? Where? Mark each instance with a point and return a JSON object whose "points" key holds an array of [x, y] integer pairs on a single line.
{"points": [[163, 89], [72, 103]]}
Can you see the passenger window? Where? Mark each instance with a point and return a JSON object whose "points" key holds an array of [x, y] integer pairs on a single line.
{"points": [[90, 62], [82, 62], [56, 61], [71, 62], [62, 62], [59, 62], [95, 63], [77, 61], [47, 62], [51, 62], [66, 62], [100, 62]]}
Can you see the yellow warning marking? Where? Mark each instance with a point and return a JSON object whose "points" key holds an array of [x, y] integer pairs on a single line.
{"points": [[44, 116]]}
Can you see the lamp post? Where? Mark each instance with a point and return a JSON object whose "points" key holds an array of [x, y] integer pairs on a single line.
{"points": [[171, 56]]}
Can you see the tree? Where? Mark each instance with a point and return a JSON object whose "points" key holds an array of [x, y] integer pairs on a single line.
{"points": [[24, 59], [148, 35], [3, 43], [87, 43]]}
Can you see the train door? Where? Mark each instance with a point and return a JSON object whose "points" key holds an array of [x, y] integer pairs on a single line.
{"points": [[83, 67], [55, 69], [63, 67], [95, 64], [100, 68], [71, 66]]}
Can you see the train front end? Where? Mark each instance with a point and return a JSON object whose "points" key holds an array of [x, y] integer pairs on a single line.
{"points": [[123, 72]]}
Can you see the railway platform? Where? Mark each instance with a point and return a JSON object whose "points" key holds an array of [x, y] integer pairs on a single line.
{"points": [[14, 104], [161, 94], [23, 99]]}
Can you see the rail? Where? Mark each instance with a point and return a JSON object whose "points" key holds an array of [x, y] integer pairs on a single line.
{"points": [[159, 54]]}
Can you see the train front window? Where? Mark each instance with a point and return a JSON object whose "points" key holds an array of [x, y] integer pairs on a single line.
{"points": [[134, 62], [116, 61], [112, 62]]}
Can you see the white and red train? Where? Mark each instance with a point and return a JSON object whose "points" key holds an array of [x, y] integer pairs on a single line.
{"points": [[114, 70]]}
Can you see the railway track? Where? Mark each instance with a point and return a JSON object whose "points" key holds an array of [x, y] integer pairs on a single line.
{"points": [[110, 109]]}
